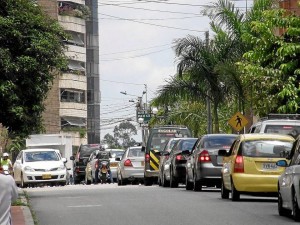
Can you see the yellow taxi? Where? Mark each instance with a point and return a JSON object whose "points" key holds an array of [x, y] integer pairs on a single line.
{"points": [[250, 165]]}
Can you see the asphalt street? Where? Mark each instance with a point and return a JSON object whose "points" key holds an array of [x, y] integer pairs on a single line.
{"points": [[110, 204]]}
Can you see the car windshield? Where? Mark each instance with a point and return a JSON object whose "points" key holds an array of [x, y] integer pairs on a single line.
{"points": [[266, 148], [41, 156], [136, 152]]}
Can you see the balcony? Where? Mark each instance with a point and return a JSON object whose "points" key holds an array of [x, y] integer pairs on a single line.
{"points": [[76, 53], [70, 23]]}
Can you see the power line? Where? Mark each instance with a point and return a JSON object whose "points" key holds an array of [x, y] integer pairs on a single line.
{"points": [[153, 10], [134, 50], [156, 19], [120, 82], [152, 24]]}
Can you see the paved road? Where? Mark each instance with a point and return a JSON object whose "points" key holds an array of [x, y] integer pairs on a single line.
{"points": [[110, 204]]}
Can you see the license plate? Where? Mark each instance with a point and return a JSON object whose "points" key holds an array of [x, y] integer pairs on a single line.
{"points": [[113, 164], [269, 166], [46, 176]]}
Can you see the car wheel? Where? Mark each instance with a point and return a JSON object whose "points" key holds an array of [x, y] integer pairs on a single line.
{"points": [[23, 185], [282, 211], [147, 181], [119, 180], [165, 183], [188, 184], [173, 181], [224, 192], [235, 195], [296, 210], [197, 184]]}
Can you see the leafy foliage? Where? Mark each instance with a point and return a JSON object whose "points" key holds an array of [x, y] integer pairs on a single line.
{"points": [[122, 136], [31, 51], [273, 66]]}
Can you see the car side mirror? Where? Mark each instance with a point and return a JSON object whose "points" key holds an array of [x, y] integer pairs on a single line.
{"points": [[118, 159], [185, 152], [223, 152], [143, 148], [72, 157], [64, 160]]}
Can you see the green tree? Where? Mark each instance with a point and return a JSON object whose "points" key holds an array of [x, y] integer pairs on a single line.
{"points": [[111, 141], [31, 53], [273, 64], [123, 133]]}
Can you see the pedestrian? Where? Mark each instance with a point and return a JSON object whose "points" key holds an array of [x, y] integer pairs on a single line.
{"points": [[8, 194]]}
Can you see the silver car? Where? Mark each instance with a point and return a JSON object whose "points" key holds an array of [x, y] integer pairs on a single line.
{"points": [[203, 167], [164, 155], [131, 166], [288, 184]]}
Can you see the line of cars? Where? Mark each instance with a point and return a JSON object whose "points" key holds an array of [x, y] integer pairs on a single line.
{"points": [[265, 162]]}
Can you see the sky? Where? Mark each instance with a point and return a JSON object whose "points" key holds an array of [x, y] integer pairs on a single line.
{"points": [[136, 54]]}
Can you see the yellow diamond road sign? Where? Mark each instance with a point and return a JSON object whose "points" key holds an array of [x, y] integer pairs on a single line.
{"points": [[238, 121]]}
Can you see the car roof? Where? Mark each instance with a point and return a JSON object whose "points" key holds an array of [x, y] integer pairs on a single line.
{"points": [[255, 136], [219, 135], [39, 149], [114, 149]]}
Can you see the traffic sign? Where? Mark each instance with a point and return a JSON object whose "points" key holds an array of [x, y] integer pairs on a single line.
{"points": [[238, 121], [143, 114]]}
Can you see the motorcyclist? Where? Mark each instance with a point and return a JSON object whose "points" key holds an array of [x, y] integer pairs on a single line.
{"points": [[5, 161], [102, 156]]}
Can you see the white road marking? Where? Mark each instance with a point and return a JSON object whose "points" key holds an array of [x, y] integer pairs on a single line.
{"points": [[83, 206]]}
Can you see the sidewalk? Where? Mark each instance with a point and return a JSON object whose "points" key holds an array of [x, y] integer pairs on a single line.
{"points": [[21, 215]]}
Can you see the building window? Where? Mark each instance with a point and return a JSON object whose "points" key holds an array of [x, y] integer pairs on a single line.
{"points": [[69, 95]]}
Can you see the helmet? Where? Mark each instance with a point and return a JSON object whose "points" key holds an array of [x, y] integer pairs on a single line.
{"points": [[5, 154]]}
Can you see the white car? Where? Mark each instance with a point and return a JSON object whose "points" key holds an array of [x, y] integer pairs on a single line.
{"points": [[36, 166]]}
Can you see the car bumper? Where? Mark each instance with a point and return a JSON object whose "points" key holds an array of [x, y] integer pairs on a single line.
{"points": [[133, 173], [209, 171], [44, 177], [255, 183], [151, 173]]}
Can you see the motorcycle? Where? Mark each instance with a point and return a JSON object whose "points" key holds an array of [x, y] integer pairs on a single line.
{"points": [[104, 171]]}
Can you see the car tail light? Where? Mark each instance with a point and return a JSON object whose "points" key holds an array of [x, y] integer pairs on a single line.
{"points": [[204, 157], [179, 157], [147, 158], [239, 164], [77, 170], [127, 163], [96, 164]]}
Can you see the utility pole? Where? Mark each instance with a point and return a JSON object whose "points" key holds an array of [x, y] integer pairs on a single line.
{"points": [[209, 119]]}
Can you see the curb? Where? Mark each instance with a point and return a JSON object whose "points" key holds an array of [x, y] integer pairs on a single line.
{"points": [[26, 210]]}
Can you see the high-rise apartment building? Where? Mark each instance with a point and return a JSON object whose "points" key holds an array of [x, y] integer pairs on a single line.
{"points": [[73, 104]]}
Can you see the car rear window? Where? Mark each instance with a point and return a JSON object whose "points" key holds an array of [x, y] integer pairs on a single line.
{"points": [[218, 142], [283, 129], [115, 154], [136, 152], [86, 150], [266, 148]]}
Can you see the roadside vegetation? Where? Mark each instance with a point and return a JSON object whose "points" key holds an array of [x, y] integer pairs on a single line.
{"points": [[251, 65]]}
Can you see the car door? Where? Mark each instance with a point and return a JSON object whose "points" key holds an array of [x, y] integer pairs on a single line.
{"points": [[290, 176], [228, 163], [191, 161], [18, 167]]}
